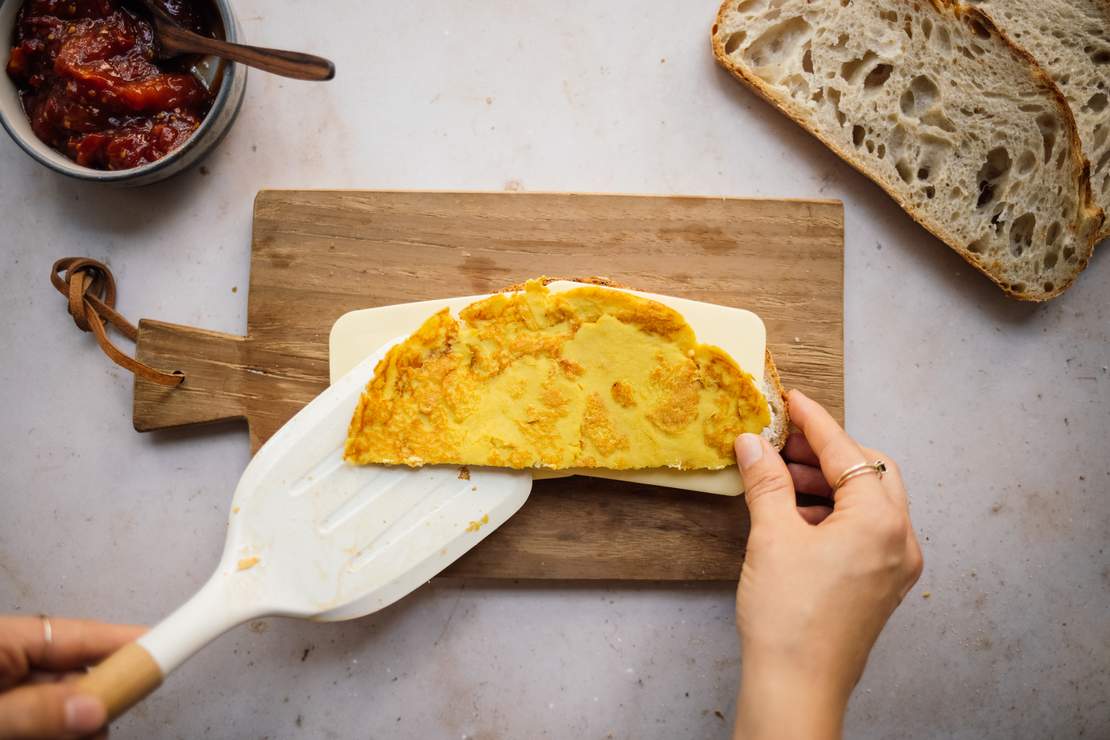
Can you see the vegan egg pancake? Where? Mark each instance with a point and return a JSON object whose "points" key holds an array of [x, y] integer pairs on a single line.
{"points": [[585, 378]]}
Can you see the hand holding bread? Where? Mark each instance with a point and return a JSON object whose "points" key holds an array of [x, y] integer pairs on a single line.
{"points": [[816, 588]]}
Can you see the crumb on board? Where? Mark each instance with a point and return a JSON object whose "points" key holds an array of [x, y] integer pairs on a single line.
{"points": [[475, 526], [234, 509], [247, 563], [927, 594], [464, 473]]}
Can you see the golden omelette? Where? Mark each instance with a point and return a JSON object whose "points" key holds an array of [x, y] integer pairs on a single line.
{"points": [[587, 378]]}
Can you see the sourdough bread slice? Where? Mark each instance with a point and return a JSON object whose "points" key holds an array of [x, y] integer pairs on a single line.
{"points": [[1070, 39], [777, 431], [941, 110]]}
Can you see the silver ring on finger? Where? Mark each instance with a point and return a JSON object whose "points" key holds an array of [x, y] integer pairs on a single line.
{"points": [[878, 468]]}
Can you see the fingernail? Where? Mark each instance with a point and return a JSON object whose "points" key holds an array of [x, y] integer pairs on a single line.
{"points": [[749, 450], [84, 714]]}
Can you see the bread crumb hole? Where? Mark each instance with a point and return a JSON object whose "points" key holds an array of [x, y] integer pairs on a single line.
{"points": [[927, 28], [979, 28], [850, 69], [993, 170], [977, 246], [1026, 162], [1068, 254], [881, 151], [877, 77], [944, 38], [986, 194], [938, 119], [734, 40], [778, 41], [997, 164], [1046, 122], [834, 100], [807, 60], [921, 95], [1021, 233], [870, 146], [857, 135], [1051, 237], [1018, 287], [1050, 260], [922, 173], [1101, 56], [1098, 102], [997, 222], [1049, 287], [904, 171], [748, 5], [930, 192]]}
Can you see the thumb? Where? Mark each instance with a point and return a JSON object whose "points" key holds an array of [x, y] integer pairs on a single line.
{"points": [[49, 710], [768, 487]]}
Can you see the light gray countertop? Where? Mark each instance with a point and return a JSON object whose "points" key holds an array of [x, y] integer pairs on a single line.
{"points": [[999, 411]]}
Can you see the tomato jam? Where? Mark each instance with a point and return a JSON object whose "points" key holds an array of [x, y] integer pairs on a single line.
{"points": [[90, 84]]}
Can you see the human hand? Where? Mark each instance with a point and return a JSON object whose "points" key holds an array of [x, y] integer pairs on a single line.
{"points": [[818, 584], [36, 657]]}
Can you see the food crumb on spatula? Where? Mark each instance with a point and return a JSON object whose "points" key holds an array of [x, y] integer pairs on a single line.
{"points": [[247, 563]]}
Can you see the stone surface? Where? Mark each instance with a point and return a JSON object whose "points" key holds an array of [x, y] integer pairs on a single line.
{"points": [[998, 411]]}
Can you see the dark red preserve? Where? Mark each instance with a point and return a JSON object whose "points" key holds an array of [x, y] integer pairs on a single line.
{"points": [[91, 87]]}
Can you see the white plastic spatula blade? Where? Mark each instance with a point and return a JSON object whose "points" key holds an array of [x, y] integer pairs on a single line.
{"points": [[311, 536]]}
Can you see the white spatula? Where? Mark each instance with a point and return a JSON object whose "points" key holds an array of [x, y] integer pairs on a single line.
{"points": [[311, 536]]}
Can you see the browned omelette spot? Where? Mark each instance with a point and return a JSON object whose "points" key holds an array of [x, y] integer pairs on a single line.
{"points": [[623, 394]]}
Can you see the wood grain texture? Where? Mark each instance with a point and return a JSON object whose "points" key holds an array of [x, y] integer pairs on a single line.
{"points": [[318, 254]]}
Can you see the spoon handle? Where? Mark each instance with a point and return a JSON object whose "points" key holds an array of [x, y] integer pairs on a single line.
{"points": [[295, 64]]}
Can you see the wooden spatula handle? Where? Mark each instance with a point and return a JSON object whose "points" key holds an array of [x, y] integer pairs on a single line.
{"points": [[123, 679]]}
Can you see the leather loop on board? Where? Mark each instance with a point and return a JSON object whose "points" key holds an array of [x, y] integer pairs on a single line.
{"points": [[89, 287]]}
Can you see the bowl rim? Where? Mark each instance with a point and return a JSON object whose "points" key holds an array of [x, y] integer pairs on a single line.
{"points": [[35, 147]]}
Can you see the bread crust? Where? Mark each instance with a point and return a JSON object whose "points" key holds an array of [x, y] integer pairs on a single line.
{"points": [[1088, 224], [1103, 230], [780, 425]]}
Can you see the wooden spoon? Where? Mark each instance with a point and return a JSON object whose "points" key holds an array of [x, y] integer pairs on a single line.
{"points": [[174, 40]]}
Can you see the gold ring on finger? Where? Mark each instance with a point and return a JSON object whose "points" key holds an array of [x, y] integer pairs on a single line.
{"points": [[47, 636], [878, 468]]}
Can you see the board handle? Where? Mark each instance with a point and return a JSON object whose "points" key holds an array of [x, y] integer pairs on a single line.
{"points": [[123, 679], [212, 364]]}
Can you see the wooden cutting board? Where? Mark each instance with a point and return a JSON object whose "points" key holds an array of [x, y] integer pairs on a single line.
{"points": [[319, 254]]}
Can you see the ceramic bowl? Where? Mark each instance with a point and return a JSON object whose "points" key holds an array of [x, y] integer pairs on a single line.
{"points": [[211, 130]]}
